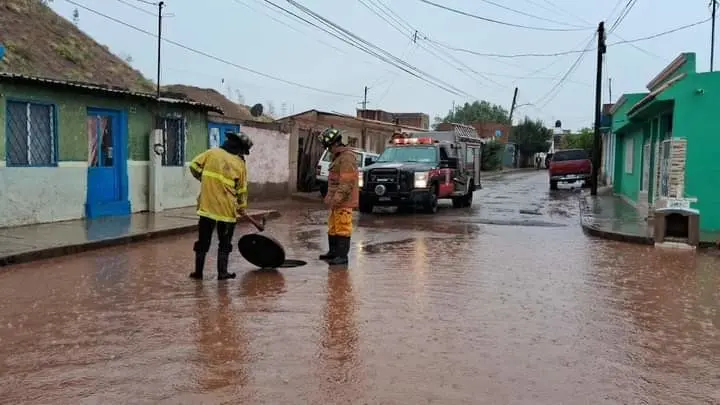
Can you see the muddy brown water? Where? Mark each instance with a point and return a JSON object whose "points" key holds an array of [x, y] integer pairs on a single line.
{"points": [[442, 310]]}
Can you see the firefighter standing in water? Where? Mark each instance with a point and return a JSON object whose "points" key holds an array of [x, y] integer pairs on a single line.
{"points": [[342, 196], [223, 198]]}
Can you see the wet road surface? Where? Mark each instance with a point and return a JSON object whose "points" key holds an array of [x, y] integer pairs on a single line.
{"points": [[503, 303]]}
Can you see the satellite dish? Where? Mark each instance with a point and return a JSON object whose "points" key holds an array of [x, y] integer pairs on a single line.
{"points": [[256, 110]]}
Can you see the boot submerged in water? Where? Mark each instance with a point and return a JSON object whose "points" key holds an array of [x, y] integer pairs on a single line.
{"points": [[199, 266], [342, 245], [332, 247], [222, 266]]}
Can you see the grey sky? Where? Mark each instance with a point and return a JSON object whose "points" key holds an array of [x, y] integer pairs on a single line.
{"points": [[241, 32]]}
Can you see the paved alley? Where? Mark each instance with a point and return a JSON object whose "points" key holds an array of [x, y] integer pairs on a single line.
{"points": [[506, 302]]}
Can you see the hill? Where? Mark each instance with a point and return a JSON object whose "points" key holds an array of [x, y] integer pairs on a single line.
{"points": [[39, 42]]}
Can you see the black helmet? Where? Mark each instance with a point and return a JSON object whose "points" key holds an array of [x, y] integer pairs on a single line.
{"points": [[330, 137], [239, 143]]}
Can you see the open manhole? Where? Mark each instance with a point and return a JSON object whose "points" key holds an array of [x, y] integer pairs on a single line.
{"points": [[265, 252]]}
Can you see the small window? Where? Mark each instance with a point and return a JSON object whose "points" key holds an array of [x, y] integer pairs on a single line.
{"points": [[30, 134], [629, 150], [174, 140], [352, 142]]}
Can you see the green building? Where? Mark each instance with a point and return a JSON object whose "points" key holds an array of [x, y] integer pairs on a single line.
{"points": [[71, 150], [667, 143]]}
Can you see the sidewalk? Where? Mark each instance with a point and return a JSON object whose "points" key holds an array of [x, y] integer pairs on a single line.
{"points": [[34, 242], [608, 216]]}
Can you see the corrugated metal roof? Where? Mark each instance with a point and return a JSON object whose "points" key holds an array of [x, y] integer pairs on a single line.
{"points": [[107, 90]]}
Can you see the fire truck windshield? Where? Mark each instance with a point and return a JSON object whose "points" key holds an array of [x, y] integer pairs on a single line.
{"points": [[425, 154]]}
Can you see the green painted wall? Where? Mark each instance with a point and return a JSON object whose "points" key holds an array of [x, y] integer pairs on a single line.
{"points": [[72, 111], [696, 120], [688, 68]]}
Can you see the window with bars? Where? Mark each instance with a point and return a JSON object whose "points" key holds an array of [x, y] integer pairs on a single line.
{"points": [[174, 141], [30, 134]]}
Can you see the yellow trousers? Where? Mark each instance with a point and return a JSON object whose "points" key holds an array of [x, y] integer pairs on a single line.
{"points": [[340, 222]]}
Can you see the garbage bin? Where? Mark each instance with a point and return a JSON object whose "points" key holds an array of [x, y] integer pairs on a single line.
{"points": [[679, 225]]}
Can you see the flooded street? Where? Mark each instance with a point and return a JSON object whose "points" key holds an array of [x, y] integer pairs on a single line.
{"points": [[507, 302]]}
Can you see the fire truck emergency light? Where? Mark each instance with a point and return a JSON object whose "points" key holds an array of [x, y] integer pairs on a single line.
{"points": [[413, 141]]}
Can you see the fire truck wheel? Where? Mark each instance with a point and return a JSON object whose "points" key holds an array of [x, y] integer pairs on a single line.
{"points": [[431, 205]]}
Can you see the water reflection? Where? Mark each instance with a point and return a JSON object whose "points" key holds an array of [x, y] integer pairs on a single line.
{"points": [[222, 345], [339, 342]]}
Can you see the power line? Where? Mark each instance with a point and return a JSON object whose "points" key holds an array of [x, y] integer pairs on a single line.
{"points": [[207, 55], [127, 3], [549, 96], [369, 48], [466, 14], [533, 15], [629, 6], [576, 51]]}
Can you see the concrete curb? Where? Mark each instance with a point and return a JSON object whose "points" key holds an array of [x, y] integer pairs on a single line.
{"points": [[58, 251], [617, 236]]}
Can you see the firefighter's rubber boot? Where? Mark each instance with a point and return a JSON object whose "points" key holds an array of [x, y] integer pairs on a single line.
{"points": [[332, 247], [199, 266], [222, 266], [342, 246]]}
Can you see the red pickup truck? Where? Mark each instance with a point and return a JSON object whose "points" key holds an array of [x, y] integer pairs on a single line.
{"points": [[569, 166]]}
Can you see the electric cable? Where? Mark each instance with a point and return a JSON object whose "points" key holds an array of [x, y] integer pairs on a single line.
{"points": [[366, 46], [466, 14], [533, 15], [207, 55], [127, 3]]}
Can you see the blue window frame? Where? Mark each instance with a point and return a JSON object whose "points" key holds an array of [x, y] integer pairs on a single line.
{"points": [[31, 134]]}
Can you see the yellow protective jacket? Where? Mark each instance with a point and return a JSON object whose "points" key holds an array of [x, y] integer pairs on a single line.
{"points": [[343, 190], [223, 184]]}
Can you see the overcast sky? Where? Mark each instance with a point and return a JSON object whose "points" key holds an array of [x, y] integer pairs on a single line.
{"points": [[255, 35]]}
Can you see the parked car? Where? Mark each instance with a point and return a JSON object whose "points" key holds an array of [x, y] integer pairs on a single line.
{"points": [[569, 166], [321, 170]]}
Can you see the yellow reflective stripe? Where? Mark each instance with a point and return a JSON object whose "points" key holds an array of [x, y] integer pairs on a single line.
{"points": [[195, 166], [220, 177], [221, 218]]}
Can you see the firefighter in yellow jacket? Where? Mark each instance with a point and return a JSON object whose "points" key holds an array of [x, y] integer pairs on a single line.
{"points": [[223, 198], [342, 196]]}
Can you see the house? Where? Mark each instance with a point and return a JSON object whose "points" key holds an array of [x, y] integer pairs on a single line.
{"points": [[487, 130], [268, 163], [417, 120], [666, 142], [305, 150], [70, 150]]}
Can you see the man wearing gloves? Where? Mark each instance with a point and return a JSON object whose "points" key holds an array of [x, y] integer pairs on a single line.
{"points": [[341, 198], [223, 198]]}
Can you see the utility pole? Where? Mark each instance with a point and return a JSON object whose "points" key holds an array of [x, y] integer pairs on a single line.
{"points": [[610, 89], [597, 145], [159, 45], [364, 103], [712, 40], [511, 134]]}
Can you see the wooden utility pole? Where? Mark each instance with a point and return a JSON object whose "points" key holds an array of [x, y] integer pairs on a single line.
{"points": [[510, 118], [597, 144], [712, 39], [159, 45]]}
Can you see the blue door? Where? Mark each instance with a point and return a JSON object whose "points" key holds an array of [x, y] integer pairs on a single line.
{"points": [[107, 184], [216, 132]]}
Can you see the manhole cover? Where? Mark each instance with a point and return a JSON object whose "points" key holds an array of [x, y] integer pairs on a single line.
{"points": [[265, 252]]}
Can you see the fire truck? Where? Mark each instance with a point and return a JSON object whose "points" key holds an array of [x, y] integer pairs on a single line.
{"points": [[418, 169]]}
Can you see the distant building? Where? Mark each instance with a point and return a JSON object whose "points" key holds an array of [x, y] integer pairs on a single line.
{"points": [[417, 120]]}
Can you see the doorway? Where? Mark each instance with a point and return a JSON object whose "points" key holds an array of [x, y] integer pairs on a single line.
{"points": [[107, 179]]}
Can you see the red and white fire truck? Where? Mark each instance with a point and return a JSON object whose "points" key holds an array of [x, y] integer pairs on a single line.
{"points": [[418, 169]]}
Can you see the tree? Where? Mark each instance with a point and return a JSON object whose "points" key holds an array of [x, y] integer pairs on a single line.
{"points": [[531, 137], [580, 140], [478, 111]]}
